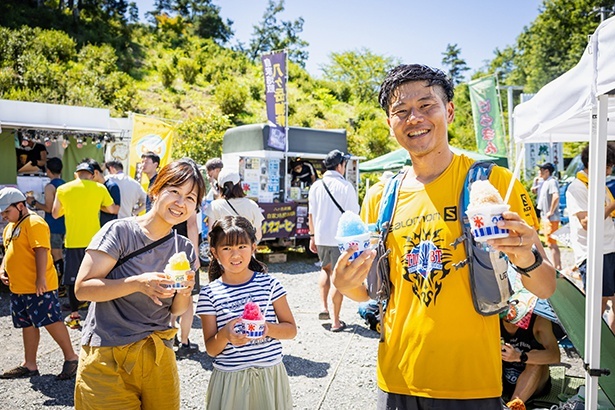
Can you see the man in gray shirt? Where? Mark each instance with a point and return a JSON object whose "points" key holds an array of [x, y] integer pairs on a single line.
{"points": [[548, 204]]}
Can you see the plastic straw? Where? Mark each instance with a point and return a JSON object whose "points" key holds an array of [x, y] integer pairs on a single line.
{"points": [[175, 236], [268, 302], [516, 173]]}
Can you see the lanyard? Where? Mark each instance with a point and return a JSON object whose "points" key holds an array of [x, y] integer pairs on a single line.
{"points": [[6, 245]]}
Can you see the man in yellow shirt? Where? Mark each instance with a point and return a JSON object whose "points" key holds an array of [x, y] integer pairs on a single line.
{"points": [[80, 201], [438, 352], [28, 270]]}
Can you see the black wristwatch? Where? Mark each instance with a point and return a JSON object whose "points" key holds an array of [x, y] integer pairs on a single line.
{"points": [[536, 264], [523, 357]]}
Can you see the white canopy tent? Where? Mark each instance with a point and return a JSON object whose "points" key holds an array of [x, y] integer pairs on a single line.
{"points": [[577, 107]]}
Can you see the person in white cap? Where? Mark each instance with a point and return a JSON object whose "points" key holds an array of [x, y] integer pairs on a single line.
{"points": [[28, 270], [233, 201]]}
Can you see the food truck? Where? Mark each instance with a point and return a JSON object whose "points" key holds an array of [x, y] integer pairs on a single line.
{"points": [[265, 174], [67, 132]]}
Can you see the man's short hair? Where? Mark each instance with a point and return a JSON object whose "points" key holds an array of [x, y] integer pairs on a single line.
{"points": [[94, 164], [610, 155], [155, 158], [548, 166], [405, 73], [114, 164], [214, 163], [54, 165]]}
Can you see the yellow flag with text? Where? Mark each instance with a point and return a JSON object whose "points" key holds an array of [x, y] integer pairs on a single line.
{"points": [[149, 134]]}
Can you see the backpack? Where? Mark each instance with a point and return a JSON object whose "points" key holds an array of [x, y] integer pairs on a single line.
{"points": [[378, 282], [370, 312], [489, 282], [488, 270]]}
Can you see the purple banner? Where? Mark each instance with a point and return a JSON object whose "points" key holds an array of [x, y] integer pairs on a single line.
{"points": [[280, 219], [274, 68]]}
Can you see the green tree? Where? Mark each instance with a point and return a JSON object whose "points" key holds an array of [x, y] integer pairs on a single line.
{"points": [[454, 63], [361, 70], [271, 35], [461, 131], [200, 137], [554, 42], [202, 15]]}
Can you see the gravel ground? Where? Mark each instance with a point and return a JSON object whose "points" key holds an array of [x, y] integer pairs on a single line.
{"points": [[327, 370]]}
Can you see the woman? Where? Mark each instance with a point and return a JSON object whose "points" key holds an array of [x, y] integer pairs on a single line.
{"points": [[127, 358], [233, 202]]}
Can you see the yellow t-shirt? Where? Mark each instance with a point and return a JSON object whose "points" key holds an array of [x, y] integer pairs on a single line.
{"points": [[20, 264], [435, 344], [81, 200]]}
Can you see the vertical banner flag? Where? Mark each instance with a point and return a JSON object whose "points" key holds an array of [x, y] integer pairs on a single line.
{"points": [[274, 68], [149, 134], [540, 152], [487, 117]]}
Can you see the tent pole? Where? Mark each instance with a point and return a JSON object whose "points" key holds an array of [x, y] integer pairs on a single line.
{"points": [[595, 235]]}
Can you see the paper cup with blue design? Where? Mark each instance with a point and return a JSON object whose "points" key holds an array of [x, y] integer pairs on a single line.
{"points": [[484, 221], [253, 329], [351, 230], [362, 242], [178, 277]]}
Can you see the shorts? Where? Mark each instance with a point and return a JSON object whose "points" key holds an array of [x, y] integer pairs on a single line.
{"points": [[251, 388], [508, 389], [72, 261], [547, 228], [608, 274], [38, 311], [401, 401], [328, 255], [57, 241]]}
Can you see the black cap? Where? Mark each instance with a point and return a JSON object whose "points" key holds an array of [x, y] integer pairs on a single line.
{"points": [[84, 166], [549, 166], [334, 158]]}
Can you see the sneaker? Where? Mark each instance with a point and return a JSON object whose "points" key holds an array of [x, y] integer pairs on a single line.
{"points": [[187, 349], [73, 322]]}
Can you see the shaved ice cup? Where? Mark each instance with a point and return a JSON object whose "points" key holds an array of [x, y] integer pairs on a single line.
{"points": [[484, 220], [254, 329], [362, 241], [177, 276]]}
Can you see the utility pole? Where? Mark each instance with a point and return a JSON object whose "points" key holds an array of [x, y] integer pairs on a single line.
{"points": [[603, 12], [511, 140]]}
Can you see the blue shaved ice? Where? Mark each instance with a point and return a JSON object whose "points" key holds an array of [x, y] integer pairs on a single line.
{"points": [[350, 224]]}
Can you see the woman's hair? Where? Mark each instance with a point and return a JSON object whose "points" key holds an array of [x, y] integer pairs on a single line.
{"points": [[231, 231], [230, 190], [177, 173]]}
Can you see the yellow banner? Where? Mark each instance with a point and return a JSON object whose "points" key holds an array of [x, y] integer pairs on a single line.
{"points": [[149, 134]]}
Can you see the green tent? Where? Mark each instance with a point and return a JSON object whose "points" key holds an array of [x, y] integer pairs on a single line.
{"points": [[396, 159]]}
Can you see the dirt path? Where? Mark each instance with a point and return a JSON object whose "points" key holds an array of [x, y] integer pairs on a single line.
{"points": [[327, 370]]}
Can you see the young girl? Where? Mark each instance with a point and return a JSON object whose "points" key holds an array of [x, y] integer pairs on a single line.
{"points": [[248, 374]]}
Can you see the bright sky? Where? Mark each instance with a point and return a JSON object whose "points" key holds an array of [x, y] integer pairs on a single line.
{"points": [[415, 32]]}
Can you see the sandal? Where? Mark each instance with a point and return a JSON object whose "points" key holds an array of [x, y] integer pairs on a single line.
{"points": [[73, 322], [339, 329], [69, 370], [324, 315], [19, 372]]}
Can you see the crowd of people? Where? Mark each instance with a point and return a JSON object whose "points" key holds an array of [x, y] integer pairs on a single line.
{"points": [[107, 242]]}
